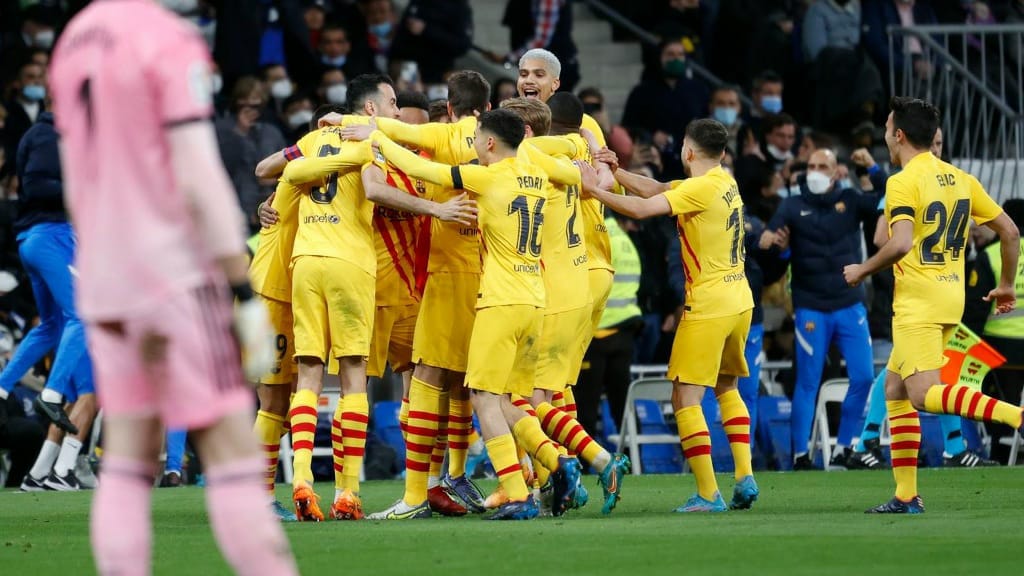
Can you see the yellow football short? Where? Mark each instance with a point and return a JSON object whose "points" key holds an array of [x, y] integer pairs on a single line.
{"points": [[445, 321], [561, 348], [705, 348], [333, 304], [503, 349], [600, 287], [918, 347], [280, 314], [393, 330]]}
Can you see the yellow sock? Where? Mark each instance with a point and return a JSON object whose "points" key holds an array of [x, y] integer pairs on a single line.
{"points": [[338, 445], [565, 430], [529, 435], [502, 451], [420, 438], [736, 421], [969, 403], [403, 416], [905, 427], [268, 429], [303, 419], [460, 423], [569, 400], [693, 431], [441, 441], [353, 431]]}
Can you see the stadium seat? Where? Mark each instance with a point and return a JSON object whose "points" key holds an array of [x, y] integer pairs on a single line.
{"points": [[833, 390], [657, 389], [608, 428], [388, 429], [773, 430]]}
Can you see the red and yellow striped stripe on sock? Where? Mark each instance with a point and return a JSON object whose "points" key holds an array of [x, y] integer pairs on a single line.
{"points": [[569, 433], [541, 473], [502, 451], [303, 419], [354, 421], [569, 406], [529, 436], [421, 436], [736, 421], [403, 416], [268, 429], [696, 440], [905, 427], [338, 445], [969, 403], [441, 442], [460, 424]]}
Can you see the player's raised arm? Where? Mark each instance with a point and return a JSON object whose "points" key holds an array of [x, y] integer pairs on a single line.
{"points": [[641, 186], [559, 171], [412, 164], [632, 206], [554, 145], [458, 209], [305, 170], [423, 137]]}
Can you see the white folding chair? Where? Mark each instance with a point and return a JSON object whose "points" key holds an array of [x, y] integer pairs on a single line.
{"points": [[821, 438], [1015, 441], [658, 389]]}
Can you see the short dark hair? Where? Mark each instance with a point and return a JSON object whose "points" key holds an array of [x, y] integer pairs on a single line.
{"points": [[709, 135], [468, 92], [591, 92], [821, 139], [916, 118], [506, 126], [438, 110], [766, 77], [726, 88], [773, 121], [324, 110], [413, 99], [566, 113], [365, 87], [333, 26], [534, 113]]}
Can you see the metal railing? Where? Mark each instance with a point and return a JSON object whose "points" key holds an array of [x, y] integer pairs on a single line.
{"points": [[616, 17], [974, 75]]}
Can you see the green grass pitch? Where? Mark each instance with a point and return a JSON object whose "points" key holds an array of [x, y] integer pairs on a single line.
{"points": [[805, 523]]}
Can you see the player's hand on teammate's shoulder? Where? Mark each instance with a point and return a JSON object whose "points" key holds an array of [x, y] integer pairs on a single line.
{"points": [[853, 274], [459, 209], [607, 156], [358, 133], [1005, 298], [589, 177], [330, 119], [268, 216]]}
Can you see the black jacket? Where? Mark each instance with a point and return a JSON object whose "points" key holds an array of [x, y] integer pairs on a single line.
{"points": [[41, 198], [448, 34]]}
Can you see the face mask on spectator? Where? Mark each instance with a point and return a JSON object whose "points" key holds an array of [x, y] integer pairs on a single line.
{"points": [[281, 89], [336, 62], [216, 83], [381, 30], [44, 39], [845, 184], [818, 183], [34, 92], [336, 93], [299, 118], [771, 104], [675, 68], [726, 115], [781, 155]]}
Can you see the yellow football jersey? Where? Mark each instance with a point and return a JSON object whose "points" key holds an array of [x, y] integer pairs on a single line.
{"points": [[396, 236], [599, 245], [269, 270], [511, 195], [453, 247], [335, 218], [711, 229], [939, 199]]}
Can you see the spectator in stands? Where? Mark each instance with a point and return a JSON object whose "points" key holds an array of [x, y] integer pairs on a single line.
{"points": [[333, 89], [29, 99], [542, 24], [243, 140], [433, 33], [664, 103], [37, 31], [616, 136], [766, 95], [822, 230], [315, 16], [380, 29], [831, 24], [658, 302], [879, 15], [336, 51], [297, 111], [725, 107], [280, 87], [688, 21], [764, 168], [502, 89]]}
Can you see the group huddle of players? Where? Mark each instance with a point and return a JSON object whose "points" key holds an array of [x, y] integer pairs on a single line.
{"points": [[374, 255]]}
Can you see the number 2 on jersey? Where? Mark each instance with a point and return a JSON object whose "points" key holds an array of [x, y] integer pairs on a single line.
{"points": [[529, 223], [572, 238], [951, 232], [321, 195], [735, 223]]}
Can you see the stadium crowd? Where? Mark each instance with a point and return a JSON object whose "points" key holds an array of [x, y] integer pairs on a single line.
{"points": [[808, 156]]}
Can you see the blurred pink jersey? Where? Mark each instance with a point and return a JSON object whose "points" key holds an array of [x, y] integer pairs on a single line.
{"points": [[123, 73]]}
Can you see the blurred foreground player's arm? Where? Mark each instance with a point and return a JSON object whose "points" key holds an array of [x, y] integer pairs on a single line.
{"points": [[202, 179]]}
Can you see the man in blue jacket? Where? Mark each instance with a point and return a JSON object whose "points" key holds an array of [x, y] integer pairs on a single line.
{"points": [[822, 229], [46, 245]]}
